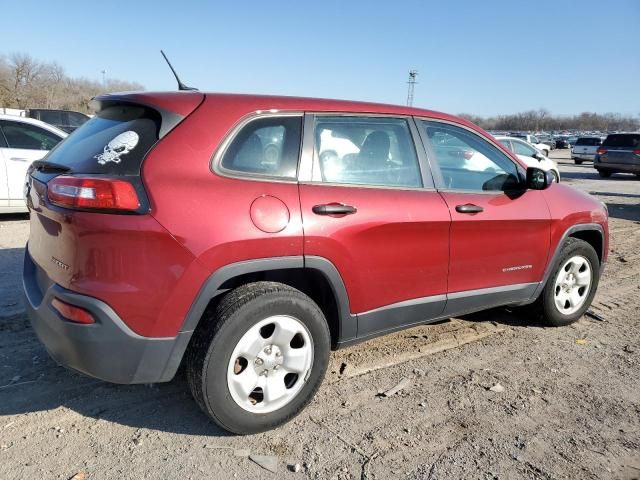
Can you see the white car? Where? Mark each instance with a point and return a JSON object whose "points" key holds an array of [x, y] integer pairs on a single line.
{"points": [[22, 141], [533, 140], [530, 155]]}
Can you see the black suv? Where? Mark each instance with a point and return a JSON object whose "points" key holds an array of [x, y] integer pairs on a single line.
{"points": [[619, 153]]}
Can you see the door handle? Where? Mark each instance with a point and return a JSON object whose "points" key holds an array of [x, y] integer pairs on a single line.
{"points": [[334, 209], [469, 208], [19, 159]]}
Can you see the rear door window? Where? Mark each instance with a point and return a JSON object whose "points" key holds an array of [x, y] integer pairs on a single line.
{"points": [[623, 140], [506, 143], [354, 150], [522, 148], [29, 137], [115, 141]]}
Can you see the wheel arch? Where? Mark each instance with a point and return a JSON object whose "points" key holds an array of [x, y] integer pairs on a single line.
{"points": [[315, 276], [592, 233]]}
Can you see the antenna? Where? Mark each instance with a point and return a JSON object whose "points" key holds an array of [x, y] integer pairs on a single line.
{"points": [[413, 75], [181, 86]]}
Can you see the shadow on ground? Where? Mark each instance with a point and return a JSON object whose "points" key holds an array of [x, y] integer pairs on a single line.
{"points": [[508, 316], [624, 211], [30, 381], [10, 281]]}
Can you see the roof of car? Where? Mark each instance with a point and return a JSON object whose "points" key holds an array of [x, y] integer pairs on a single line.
{"points": [[180, 102]]}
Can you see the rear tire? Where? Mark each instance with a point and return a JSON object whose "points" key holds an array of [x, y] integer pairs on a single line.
{"points": [[253, 323], [571, 286], [578, 162], [604, 173]]}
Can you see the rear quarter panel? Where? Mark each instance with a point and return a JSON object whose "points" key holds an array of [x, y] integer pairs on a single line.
{"points": [[207, 213]]}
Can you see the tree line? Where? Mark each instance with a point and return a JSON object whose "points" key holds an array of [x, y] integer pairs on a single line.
{"points": [[543, 120], [29, 83]]}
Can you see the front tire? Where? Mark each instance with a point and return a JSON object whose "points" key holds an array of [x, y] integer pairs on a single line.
{"points": [[604, 173], [578, 162], [572, 284], [259, 359]]}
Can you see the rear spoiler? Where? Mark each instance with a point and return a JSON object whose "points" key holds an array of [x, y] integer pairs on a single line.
{"points": [[173, 107]]}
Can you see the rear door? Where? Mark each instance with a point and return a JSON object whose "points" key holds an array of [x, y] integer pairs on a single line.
{"points": [[499, 240], [25, 143], [369, 206]]}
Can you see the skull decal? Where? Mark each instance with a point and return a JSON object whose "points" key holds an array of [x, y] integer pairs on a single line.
{"points": [[120, 145]]}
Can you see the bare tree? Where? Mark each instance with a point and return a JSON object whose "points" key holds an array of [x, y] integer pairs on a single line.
{"points": [[542, 119], [29, 83]]}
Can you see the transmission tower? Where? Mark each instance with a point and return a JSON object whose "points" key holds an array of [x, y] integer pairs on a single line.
{"points": [[413, 74]]}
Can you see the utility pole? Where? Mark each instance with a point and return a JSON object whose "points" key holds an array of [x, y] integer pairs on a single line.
{"points": [[104, 79], [413, 75]]}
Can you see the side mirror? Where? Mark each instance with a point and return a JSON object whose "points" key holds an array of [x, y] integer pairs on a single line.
{"points": [[538, 156], [538, 179]]}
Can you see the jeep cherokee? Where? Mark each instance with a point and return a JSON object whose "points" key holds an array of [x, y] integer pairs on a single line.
{"points": [[245, 236]]}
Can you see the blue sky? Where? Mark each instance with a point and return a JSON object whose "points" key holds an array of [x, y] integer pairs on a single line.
{"points": [[481, 57]]}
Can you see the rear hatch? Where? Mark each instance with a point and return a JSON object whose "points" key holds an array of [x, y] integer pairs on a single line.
{"points": [[87, 195], [621, 148], [587, 146]]}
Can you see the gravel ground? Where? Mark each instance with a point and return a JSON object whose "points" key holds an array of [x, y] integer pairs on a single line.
{"points": [[570, 407]]}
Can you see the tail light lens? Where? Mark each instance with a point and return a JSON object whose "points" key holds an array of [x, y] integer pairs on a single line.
{"points": [[601, 151], [92, 193], [72, 313], [637, 152]]}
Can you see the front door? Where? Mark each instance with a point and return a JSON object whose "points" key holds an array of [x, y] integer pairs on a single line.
{"points": [[370, 208], [499, 239]]}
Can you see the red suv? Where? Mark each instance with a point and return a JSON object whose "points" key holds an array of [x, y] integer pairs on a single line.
{"points": [[246, 236]]}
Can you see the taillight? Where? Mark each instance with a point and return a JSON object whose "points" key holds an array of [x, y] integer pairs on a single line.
{"points": [[601, 151], [637, 152], [92, 193], [72, 313]]}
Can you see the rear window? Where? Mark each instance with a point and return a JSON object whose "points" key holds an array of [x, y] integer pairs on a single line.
{"points": [[115, 141], [590, 142], [626, 140]]}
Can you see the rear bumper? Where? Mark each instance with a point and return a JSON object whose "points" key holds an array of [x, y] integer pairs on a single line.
{"points": [[584, 156], [618, 167], [107, 350]]}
